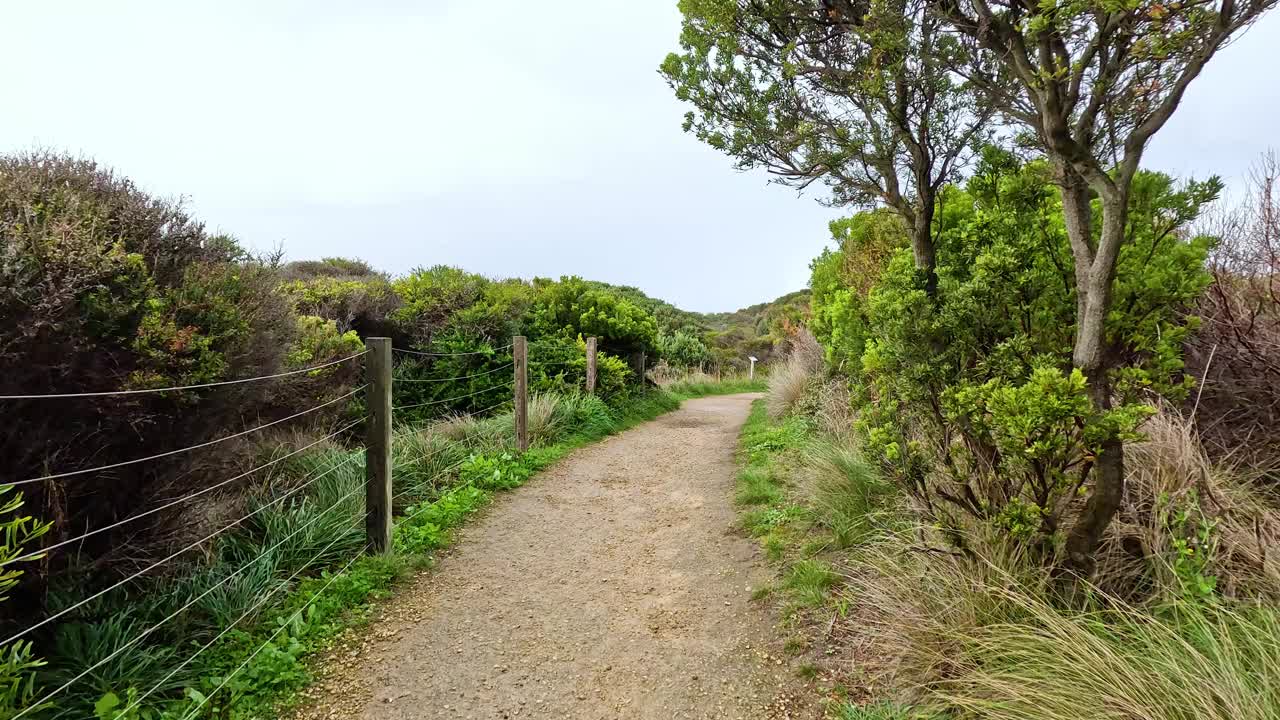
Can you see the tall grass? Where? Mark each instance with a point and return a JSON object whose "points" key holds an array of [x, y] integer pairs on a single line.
{"points": [[991, 637], [1180, 622], [425, 462], [1186, 662], [848, 495], [789, 379], [1175, 492]]}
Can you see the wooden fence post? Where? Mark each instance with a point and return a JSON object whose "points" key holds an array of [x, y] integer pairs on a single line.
{"points": [[377, 448], [520, 350], [591, 365]]}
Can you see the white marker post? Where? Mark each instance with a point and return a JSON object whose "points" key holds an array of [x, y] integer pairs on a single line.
{"points": [[752, 375]]}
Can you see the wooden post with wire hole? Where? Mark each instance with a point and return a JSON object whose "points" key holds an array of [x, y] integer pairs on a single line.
{"points": [[520, 353], [377, 448], [591, 365]]}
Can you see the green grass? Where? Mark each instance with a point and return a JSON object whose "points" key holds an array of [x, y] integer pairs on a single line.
{"points": [[1203, 661], [756, 487], [809, 580], [695, 389], [850, 499]]}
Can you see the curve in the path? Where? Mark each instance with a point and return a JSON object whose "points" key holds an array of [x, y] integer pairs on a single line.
{"points": [[612, 585]]}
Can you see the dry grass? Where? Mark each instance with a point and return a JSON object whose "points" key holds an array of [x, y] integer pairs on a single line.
{"points": [[987, 636], [789, 379], [832, 409], [1169, 473]]}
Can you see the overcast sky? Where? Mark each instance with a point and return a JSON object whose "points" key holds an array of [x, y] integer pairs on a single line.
{"points": [[508, 137]]}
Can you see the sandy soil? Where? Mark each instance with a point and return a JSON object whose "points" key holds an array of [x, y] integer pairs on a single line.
{"points": [[611, 586]]}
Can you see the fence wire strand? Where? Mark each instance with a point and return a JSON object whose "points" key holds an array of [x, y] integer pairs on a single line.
{"points": [[278, 630], [176, 554], [461, 377], [38, 553], [141, 636], [170, 453], [458, 397], [453, 354], [180, 388]]}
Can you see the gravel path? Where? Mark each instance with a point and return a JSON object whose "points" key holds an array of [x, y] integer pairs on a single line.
{"points": [[611, 586]]}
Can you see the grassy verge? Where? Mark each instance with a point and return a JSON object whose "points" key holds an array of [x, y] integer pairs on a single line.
{"points": [[898, 628], [687, 389], [444, 474], [798, 537]]}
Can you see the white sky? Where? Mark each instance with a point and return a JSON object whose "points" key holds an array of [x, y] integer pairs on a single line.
{"points": [[510, 138]]}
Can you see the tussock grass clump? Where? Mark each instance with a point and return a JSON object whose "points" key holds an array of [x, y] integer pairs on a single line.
{"points": [[492, 432], [810, 580], [849, 497], [425, 462], [789, 379], [555, 416], [991, 636], [1209, 662], [756, 487], [1177, 498], [307, 523]]}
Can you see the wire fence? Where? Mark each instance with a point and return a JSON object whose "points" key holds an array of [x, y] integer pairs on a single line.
{"points": [[338, 467]]}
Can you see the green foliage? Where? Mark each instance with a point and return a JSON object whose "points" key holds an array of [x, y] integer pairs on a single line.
{"points": [[447, 301], [193, 332], [970, 401], [572, 307], [426, 527], [18, 661], [842, 278], [493, 472], [348, 302], [1194, 543], [682, 349], [318, 340]]}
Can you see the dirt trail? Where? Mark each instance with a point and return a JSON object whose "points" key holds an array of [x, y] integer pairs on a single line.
{"points": [[611, 586]]}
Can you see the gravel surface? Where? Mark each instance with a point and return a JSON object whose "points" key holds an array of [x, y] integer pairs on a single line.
{"points": [[611, 586]]}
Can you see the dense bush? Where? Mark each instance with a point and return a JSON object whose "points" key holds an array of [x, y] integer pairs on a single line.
{"points": [[107, 288], [970, 397], [571, 307], [1236, 350]]}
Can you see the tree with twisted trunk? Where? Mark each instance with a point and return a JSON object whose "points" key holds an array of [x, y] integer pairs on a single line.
{"points": [[1091, 82]]}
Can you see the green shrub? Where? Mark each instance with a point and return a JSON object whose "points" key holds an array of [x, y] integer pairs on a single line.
{"points": [[318, 341], [493, 472], [18, 661], [362, 302], [969, 400], [572, 307], [682, 349]]}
